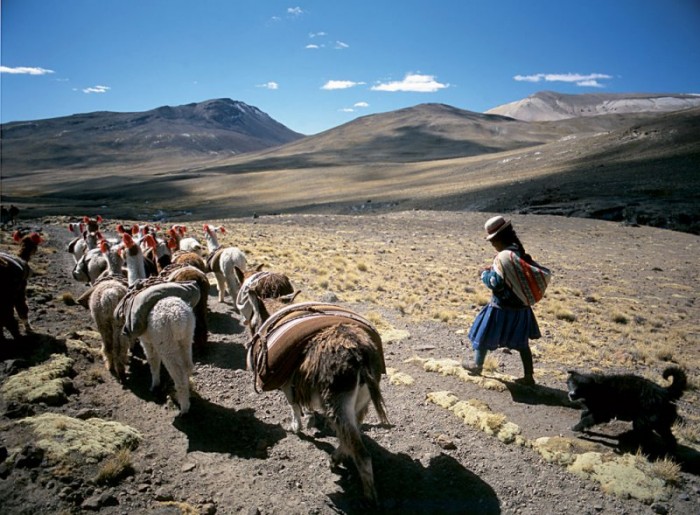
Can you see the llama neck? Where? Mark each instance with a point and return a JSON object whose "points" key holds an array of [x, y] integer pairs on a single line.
{"points": [[135, 267], [212, 242]]}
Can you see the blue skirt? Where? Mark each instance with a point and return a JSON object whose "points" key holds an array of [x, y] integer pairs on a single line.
{"points": [[498, 326]]}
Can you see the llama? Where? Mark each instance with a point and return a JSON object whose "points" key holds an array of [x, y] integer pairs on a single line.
{"points": [[76, 247], [14, 273], [90, 265], [266, 285], [169, 324], [184, 273], [182, 257], [222, 262], [326, 358], [185, 243], [103, 300]]}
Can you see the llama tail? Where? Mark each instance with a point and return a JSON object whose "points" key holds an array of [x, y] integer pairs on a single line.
{"points": [[679, 384], [375, 394]]}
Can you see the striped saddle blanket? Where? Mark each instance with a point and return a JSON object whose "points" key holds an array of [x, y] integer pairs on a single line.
{"points": [[528, 280], [280, 342]]}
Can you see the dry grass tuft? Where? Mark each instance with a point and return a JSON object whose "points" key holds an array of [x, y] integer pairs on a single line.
{"points": [[68, 299], [115, 468]]}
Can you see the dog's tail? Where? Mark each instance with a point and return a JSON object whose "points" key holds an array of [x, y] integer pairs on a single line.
{"points": [[679, 384]]}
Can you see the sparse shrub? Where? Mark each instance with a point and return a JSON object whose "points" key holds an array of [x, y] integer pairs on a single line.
{"points": [[68, 299], [620, 318], [666, 469], [324, 284], [688, 431], [562, 313], [665, 353], [362, 267], [115, 468]]}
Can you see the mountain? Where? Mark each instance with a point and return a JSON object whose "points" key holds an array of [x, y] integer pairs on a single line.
{"points": [[638, 167], [549, 106], [194, 131]]}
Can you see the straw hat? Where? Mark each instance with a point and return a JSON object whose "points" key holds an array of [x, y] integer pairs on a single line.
{"points": [[495, 225]]}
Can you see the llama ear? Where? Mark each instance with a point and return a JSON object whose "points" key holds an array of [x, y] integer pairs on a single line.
{"points": [[104, 246], [98, 219], [36, 238], [16, 236], [86, 219], [259, 267], [134, 229], [221, 229], [120, 229], [205, 227], [289, 298], [183, 229]]}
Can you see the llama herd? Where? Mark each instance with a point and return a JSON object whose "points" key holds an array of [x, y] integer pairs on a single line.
{"points": [[150, 286]]}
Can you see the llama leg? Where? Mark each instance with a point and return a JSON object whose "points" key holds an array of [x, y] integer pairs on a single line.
{"points": [[9, 321], [154, 361], [178, 370], [23, 312], [351, 444], [221, 284], [295, 425]]}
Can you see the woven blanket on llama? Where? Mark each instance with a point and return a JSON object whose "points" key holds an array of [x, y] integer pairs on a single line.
{"points": [[527, 280]]}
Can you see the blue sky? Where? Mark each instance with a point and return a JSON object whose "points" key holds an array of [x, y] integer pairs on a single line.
{"points": [[314, 65]]}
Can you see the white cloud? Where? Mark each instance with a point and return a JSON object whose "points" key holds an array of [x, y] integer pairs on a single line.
{"points": [[346, 110], [339, 45], [24, 70], [97, 89], [295, 11], [312, 46], [340, 84], [412, 82], [590, 80], [317, 34], [269, 85], [361, 104]]}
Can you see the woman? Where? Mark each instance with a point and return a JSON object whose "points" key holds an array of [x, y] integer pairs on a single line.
{"points": [[506, 321]]}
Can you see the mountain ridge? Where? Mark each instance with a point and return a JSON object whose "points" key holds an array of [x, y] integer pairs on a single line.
{"points": [[552, 106]]}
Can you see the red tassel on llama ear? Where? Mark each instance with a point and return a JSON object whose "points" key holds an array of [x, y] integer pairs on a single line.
{"points": [[104, 246], [99, 219], [120, 229], [17, 236], [134, 229], [36, 238], [150, 241], [86, 219], [221, 229], [205, 227], [127, 240]]}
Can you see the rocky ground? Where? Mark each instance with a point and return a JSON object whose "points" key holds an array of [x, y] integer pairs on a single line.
{"points": [[507, 449]]}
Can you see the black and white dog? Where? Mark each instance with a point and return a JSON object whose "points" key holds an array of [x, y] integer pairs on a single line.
{"points": [[647, 405]]}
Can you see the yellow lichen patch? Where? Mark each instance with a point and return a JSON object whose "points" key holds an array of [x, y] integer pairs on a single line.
{"points": [[62, 437], [182, 507], [443, 399], [477, 414], [620, 475], [399, 378], [393, 335], [47, 382], [451, 367], [562, 451]]}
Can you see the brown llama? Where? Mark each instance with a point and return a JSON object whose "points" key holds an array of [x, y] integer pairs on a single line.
{"points": [[14, 273], [324, 358]]}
